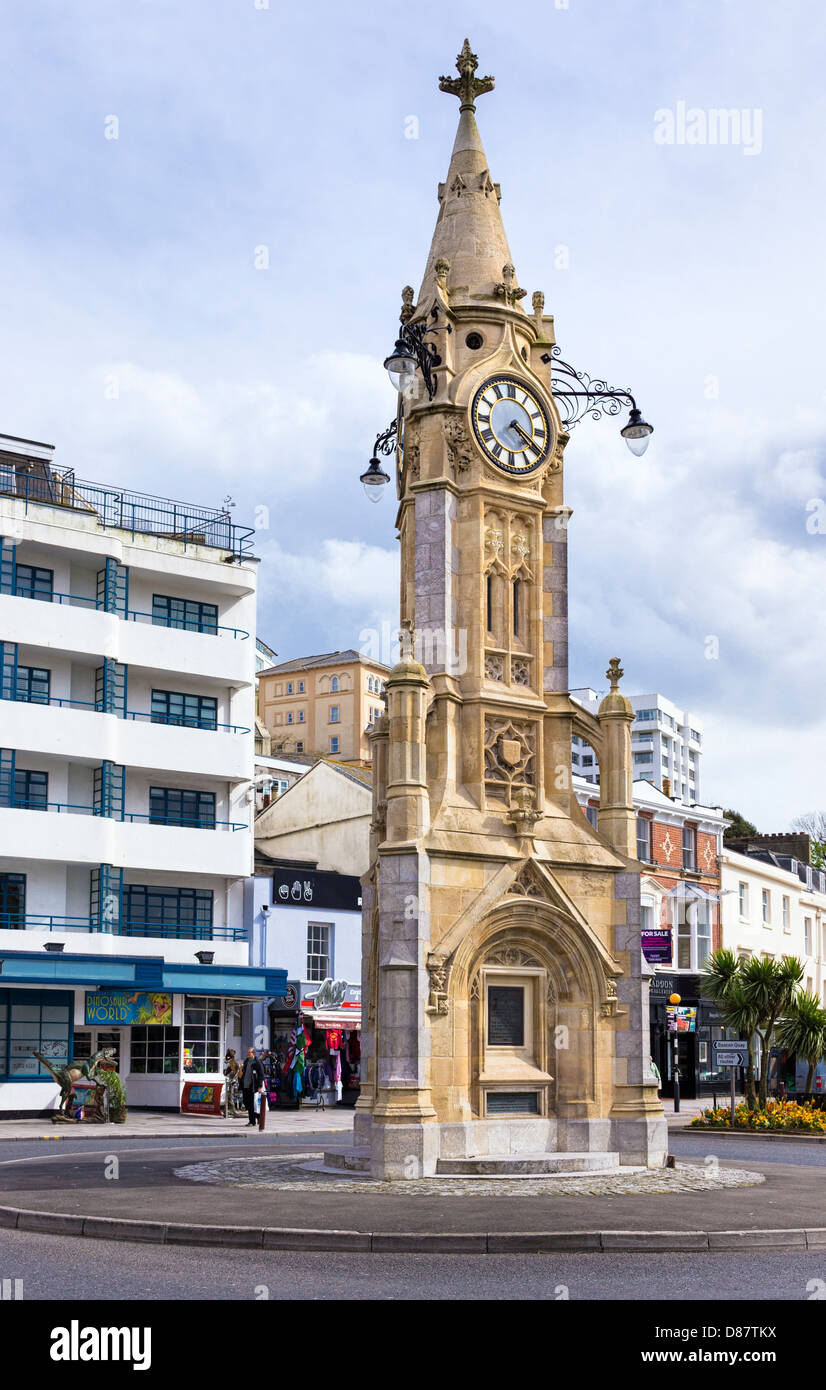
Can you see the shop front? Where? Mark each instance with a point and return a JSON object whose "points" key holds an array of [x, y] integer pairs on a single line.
{"points": [[162, 1024], [689, 1029], [316, 1047]]}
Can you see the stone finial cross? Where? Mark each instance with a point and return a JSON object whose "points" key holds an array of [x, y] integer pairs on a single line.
{"points": [[466, 86], [615, 672]]}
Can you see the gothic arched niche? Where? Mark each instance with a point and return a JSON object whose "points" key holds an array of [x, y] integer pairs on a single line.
{"points": [[530, 969]]}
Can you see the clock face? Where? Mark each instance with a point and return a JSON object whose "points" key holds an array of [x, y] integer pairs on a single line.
{"points": [[511, 425]]}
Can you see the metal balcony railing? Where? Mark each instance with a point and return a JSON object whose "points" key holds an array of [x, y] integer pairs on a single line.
{"points": [[133, 615], [34, 803], [171, 931], [138, 513]]}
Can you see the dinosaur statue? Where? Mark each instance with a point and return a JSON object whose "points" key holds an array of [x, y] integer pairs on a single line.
{"points": [[82, 1069]]}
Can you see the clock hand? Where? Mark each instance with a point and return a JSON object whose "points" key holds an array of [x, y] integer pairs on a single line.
{"points": [[515, 425]]}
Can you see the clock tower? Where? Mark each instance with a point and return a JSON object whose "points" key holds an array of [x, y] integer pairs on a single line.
{"points": [[506, 1009]]}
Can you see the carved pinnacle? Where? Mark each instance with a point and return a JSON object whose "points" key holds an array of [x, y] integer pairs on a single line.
{"points": [[466, 87]]}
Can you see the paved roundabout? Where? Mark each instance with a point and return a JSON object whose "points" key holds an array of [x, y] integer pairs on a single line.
{"points": [[279, 1197], [307, 1173]]}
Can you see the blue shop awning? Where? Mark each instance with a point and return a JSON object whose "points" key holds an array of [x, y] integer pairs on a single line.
{"points": [[147, 972]]}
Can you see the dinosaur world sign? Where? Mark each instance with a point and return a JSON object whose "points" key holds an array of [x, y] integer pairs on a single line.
{"points": [[117, 1006]]}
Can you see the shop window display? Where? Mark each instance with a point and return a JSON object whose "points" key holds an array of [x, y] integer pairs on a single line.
{"points": [[154, 1049], [202, 1034]]}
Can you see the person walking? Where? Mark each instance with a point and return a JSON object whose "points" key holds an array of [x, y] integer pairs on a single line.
{"points": [[252, 1079]]}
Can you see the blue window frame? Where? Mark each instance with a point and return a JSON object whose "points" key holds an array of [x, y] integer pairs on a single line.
{"points": [[33, 685], [174, 806], [32, 1020], [188, 711], [170, 912], [30, 790], [30, 581], [12, 901], [184, 613]]}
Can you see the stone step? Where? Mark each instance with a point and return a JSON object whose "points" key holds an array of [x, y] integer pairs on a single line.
{"points": [[527, 1165], [354, 1160]]}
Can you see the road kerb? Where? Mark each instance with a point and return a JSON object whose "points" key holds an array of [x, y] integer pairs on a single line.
{"points": [[757, 1240]]}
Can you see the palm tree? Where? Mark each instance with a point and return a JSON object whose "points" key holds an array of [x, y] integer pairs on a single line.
{"points": [[722, 981], [770, 987], [803, 1031]]}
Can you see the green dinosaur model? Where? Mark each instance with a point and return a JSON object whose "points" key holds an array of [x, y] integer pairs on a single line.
{"points": [[82, 1069]]}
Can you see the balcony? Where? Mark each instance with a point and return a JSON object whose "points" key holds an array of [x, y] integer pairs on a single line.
{"points": [[136, 513], [47, 832], [167, 931]]}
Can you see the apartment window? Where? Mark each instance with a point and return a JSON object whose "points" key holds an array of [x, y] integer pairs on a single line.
{"points": [[588, 761], [290, 717], [299, 748], [334, 745], [697, 738], [693, 934], [289, 687], [33, 685], [319, 938], [642, 758], [31, 1020], [155, 1049], [301, 687], [169, 912], [592, 815], [187, 711], [646, 714], [172, 806], [334, 683], [334, 713], [12, 902], [29, 793], [689, 847], [301, 716], [184, 613], [767, 907], [786, 911], [743, 898], [807, 936], [575, 758], [644, 839], [202, 1034], [33, 582]]}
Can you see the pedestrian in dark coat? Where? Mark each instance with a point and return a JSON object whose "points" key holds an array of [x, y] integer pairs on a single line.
{"points": [[252, 1079]]}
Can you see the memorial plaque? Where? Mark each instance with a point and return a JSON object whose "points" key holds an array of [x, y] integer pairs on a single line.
{"points": [[506, 1016]]}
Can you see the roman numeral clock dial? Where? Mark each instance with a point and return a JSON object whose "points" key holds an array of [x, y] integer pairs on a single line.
{"points": [[511, 425]]}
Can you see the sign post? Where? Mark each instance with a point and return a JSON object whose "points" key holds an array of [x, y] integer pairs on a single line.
{"points": [[732, 1055]]}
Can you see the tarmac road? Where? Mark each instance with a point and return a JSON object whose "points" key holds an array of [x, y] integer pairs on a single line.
{"points": [[49, 1265]]}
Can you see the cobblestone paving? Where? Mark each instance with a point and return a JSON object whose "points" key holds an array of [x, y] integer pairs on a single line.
{"points": [[294, 1174]]}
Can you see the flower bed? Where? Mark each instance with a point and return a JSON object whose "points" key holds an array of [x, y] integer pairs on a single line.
{"points": [[779, 1116]]}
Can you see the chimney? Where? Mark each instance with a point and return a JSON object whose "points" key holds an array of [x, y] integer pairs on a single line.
{"points": [[667, 785]]}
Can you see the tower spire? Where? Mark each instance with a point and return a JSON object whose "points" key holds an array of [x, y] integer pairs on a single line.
{"points": [[469, 259]]}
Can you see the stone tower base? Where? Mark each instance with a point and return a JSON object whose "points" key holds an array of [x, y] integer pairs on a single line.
{"points": [[414, 1150]]}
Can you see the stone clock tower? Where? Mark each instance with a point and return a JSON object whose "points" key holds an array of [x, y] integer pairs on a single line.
{"points": [[505, 1009]]}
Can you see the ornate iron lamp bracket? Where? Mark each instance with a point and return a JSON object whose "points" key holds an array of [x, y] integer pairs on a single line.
{"points": [[427, 356], [578, 394]]}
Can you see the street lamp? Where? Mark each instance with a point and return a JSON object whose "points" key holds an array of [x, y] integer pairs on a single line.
{"points": [[637, 433], [374, 480]]}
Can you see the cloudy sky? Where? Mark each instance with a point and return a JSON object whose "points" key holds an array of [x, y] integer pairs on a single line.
{"points": [[200, 306]]}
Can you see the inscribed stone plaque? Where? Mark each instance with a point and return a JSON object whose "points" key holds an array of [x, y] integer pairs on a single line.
{"points": [[506, 1016]]}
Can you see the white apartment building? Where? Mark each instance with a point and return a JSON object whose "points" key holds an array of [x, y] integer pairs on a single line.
{"points": [[666, 745], [774, 905], [127, 676], [776, 909]]}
